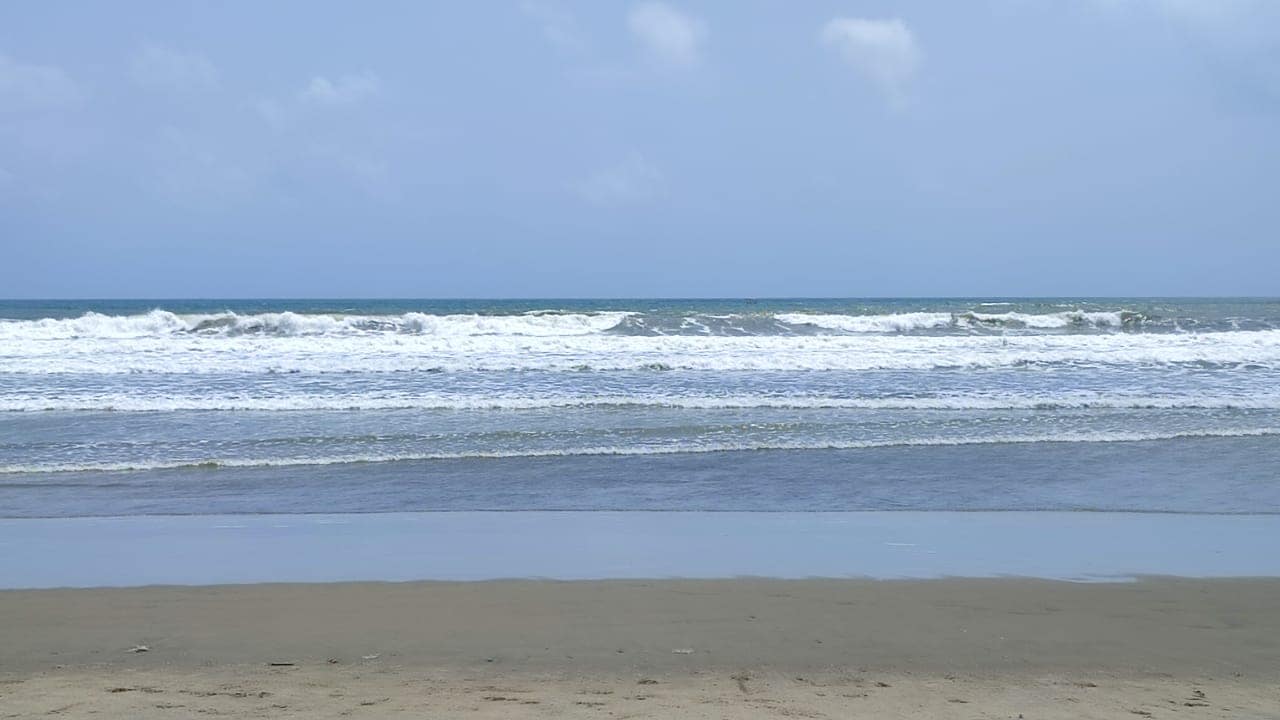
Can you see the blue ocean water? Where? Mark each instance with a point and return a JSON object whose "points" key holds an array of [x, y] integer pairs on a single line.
{"points": [[309, 406]]}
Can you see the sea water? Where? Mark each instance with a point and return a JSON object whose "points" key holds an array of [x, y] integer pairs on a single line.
{"points": [[182, 407]]}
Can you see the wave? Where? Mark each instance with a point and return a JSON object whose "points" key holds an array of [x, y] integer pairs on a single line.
{"points": [[247, 463], [1071, 318], [162, 323], [912, 322], [891, 323], [133, 403], [410, 353]]}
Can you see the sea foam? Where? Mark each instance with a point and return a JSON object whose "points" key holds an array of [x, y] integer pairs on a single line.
{"points": [[135, 402], [632, 450], [162, 323], [894, 322], [588, 350]]}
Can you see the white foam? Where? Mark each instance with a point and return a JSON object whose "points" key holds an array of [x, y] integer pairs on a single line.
{"points": [[156, 322], [135, 402], [409, 352], [896, 322], [1079, 437], [162, 323], [1048, 321], [908, 322]]}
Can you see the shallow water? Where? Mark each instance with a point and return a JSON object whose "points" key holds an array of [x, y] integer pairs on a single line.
{"points": [[201, 550]]}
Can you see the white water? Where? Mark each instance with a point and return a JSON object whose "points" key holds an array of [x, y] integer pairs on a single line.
{"points": [[895, 322], [162, 323], [136, 401], [395, 352], [696, 447]]}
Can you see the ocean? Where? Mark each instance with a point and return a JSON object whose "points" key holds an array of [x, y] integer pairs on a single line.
{"points": [[212, 407]]}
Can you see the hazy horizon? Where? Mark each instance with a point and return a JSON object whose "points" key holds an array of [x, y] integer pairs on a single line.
{"points": [[603, 298]]}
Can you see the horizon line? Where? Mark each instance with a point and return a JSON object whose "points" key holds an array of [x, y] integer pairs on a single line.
{"points": [[602, 298]]}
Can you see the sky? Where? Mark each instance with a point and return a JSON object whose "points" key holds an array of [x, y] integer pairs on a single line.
{"points": [[542, 148]]}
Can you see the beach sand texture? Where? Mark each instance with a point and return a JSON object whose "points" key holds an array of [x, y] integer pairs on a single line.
{"points": [[666, 648]]}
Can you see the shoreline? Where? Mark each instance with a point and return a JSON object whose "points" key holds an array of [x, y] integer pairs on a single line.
{"points": [[470, 546], [662, 649]]}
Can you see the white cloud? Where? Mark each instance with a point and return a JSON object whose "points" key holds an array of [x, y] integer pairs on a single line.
{"points": [[633, 180], [345, 90], [883, 51], [28, 87], [669, 36], [558, 25], [158, 67]]}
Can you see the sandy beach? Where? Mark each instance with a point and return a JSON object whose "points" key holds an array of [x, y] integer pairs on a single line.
{"points": [[668, 648], [658, 359]]}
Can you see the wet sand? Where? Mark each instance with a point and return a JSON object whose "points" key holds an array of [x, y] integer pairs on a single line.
{"points": [[1159, 647]]}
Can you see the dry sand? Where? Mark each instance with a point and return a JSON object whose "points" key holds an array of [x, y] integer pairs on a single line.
{"points": [[668, 648]]}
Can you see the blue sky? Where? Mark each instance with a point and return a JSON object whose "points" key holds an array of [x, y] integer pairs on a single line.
{"points": [[541, 148]]}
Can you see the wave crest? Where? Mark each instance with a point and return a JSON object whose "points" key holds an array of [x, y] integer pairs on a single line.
{"points": [[159, 323], [213, 464], [918, 321], [894, 322], [164, 323], [134, 403]]}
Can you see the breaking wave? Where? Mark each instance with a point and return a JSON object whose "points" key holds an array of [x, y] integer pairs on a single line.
{"points": [[159, 323], [891, 323], [134, 403], [592, 351], [1082, 437], [163, 323], [911, 322]]}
